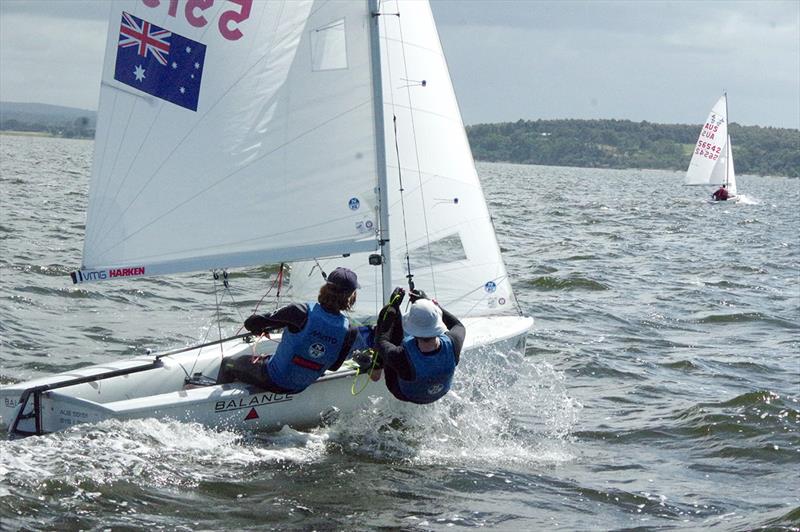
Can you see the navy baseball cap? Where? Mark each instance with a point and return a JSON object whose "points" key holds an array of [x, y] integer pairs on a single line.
{"points": [[343, 279]]}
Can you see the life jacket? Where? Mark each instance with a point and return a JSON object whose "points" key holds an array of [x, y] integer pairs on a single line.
{"points": [[302, 357], [434, 371]]}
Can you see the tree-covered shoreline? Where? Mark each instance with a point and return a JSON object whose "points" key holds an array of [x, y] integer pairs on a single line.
{"points": [[627, 144], [582, 143]]}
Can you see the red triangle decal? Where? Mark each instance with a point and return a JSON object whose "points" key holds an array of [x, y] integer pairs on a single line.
{"points": [[252, 414]]}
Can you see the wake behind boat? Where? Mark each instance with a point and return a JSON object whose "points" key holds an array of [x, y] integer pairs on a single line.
{"points": [[712, 161], [330, 135]]}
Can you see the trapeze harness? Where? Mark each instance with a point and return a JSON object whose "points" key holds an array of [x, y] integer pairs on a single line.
{"points": [[434, 371], [302, 357]]}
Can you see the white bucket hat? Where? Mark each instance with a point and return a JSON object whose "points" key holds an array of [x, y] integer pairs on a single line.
{"points": [[423, 320]]}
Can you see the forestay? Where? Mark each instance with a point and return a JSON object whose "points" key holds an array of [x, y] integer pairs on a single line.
{"points": [[232, 135], [441, 218]]}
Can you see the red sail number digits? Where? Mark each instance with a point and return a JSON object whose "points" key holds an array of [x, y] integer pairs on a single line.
{"points": [[193, 11]]}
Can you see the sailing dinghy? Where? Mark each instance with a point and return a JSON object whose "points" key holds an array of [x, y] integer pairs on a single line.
{"points": [[241, 133], [712, 161]]}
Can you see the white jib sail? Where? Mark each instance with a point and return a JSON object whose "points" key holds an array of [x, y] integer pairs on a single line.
{"points": [[447, 227], [707, 166], [231, 134], [731, 171]]}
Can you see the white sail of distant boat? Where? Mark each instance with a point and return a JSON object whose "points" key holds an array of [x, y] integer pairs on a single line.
{"points": [[731, 176], [712, 160], [243, 133]]}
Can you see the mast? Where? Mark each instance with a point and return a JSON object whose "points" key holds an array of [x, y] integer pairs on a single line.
{"points": [[727, 138], [380, 150]]}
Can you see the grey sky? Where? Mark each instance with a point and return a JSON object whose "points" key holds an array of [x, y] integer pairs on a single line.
{"points": [[660, 61]]}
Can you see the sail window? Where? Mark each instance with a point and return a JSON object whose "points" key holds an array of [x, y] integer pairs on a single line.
{"points": [[443, 251], [329, 47]]}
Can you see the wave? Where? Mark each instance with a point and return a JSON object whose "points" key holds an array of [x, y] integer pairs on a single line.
{"points": [[784, 521], [556, 283], [503, 410], [147, 452], [683, 365], [744, 317]]}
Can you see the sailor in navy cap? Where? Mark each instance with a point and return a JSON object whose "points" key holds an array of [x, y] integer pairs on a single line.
{"points": [[317, 337]]}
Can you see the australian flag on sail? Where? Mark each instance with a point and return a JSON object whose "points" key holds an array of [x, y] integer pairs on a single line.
{"points": [[159, 62]]}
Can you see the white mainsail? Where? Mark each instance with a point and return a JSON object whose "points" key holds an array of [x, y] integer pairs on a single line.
{"points": [[712, 161], [441, 217], [277, 161]]}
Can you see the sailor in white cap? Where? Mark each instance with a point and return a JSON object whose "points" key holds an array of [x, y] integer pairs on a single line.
{"points": [[420, 351]]}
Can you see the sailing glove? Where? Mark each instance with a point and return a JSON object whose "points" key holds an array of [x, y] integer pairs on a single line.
{"points": [[415, 295], [397, 297], [256, 324], [387, 318], [363, 359]]}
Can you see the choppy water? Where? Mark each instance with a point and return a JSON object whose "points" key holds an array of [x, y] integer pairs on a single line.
{"points": [[659, 390]]}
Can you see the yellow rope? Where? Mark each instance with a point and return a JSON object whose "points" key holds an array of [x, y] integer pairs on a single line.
{"points": [[374, 359], [369, 374]]}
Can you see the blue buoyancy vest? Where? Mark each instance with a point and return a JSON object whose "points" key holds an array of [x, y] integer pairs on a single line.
{"points": [[434, 371], [302, 357]]}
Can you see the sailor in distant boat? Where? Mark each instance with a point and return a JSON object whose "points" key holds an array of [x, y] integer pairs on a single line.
{"points": [[419, 353], [721, 194], [316, 337]]}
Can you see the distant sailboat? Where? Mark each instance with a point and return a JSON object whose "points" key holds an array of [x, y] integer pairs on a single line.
{"points": [[247, 133], [712, 161]]}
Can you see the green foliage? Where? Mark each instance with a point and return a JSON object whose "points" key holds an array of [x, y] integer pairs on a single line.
{"points": [[626, 144], [78, 128]]}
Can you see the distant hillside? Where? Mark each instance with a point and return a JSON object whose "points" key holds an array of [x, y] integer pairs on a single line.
{"points": [[583, 143], [626, 144], [50, 119]]}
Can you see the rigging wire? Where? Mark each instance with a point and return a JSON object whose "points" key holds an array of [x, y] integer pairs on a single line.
{"points": [[423, 83], [208, 330], [219, 323], [229, 292], [280, 284], [409, 274], [199, 352], [321, 271], [275, 283]]}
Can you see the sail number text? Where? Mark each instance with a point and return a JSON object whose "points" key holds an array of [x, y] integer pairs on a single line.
{"points": [[193, 11], [707, 150], [709, 130]]}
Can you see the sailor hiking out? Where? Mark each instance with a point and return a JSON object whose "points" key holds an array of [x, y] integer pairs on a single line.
{"points": [[317, 337], [420, 351]]}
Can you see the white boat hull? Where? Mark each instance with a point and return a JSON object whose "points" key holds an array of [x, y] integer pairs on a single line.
{"points": [[155, 387]]}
